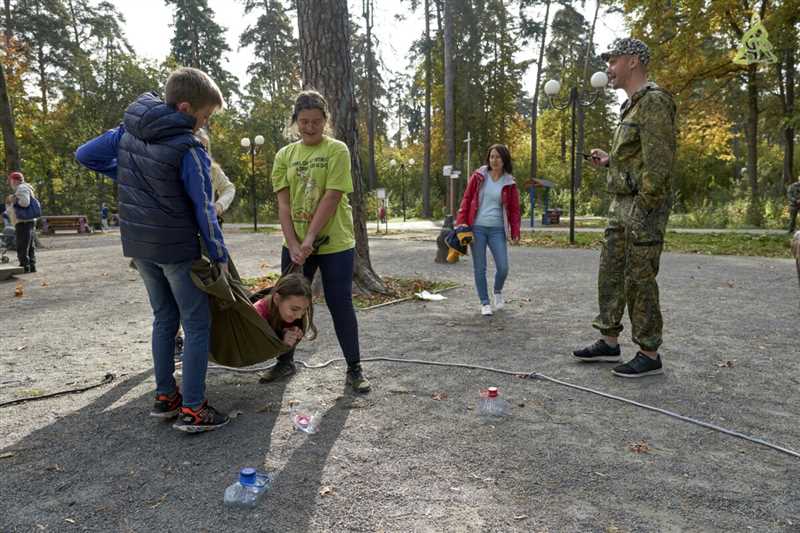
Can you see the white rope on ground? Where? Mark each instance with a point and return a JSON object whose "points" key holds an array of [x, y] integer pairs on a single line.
{"points": [[543, 377]]}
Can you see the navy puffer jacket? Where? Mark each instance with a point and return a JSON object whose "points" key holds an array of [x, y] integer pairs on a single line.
{"points": [[157, 220]]}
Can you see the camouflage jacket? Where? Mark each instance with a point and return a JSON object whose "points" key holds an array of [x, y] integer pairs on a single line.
{"points": [[643, 149], [793, 193]]}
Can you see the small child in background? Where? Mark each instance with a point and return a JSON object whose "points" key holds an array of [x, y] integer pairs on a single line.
{"points": [[289, 310]]}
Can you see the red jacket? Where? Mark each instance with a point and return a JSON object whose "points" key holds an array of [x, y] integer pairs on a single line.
{"points": [[509, 198]]}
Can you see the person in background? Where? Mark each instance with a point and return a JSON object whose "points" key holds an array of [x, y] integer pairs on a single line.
{"points": [[104, 216], [490, 206], [224, 190], [26, 210]]}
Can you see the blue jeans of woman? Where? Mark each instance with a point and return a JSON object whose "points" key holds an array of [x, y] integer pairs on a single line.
{"points": [[175, 299], [337, 283], [495, 239]]}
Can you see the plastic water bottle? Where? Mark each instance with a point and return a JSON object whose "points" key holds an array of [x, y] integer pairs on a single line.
{"points": [[246, 492], [491, 404], [305, 420]]}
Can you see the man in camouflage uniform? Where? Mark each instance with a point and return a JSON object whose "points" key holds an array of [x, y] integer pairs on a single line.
{"points": [[793, 193], [639, 180]]}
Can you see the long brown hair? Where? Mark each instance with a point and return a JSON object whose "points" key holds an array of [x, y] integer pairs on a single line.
{"points": [[294, 284]]}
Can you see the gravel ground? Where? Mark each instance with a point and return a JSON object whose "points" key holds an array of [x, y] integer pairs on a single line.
{"points": [[397, 459]]}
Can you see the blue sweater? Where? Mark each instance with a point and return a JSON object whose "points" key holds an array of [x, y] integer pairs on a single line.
{"points": [[164, 180]]}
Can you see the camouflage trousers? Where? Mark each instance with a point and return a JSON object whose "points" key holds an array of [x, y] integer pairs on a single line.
{"points": [[629, 265]]}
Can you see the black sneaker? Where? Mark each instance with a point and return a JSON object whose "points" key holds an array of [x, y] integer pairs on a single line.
{"points": [[167, 405], [639, 367], [32, 269], [600, 351], [355, 378], [279, 371], [205, 418]]}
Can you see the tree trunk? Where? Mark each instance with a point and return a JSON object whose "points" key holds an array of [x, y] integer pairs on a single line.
{"points": [[751, 133], [581, 111], [786, 84], [7, 125], [372, 178], [535, 105], [326, 66], [449, 87], [426, 166]]}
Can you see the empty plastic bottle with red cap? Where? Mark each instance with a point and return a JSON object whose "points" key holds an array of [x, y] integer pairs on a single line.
{"points": [[491, 404]]}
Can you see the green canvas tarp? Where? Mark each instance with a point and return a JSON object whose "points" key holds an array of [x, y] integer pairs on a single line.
{"points": [[239, 336]]}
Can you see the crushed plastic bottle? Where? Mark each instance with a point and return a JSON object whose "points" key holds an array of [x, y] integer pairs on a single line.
{"points": [[491, 404], [246, 492], [305, 420]]}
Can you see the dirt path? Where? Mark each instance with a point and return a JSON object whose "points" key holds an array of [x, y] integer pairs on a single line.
{"points": [[397, 459]]}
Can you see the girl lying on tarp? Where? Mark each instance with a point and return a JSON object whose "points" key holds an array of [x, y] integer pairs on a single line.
{"points": [[289, 310]]}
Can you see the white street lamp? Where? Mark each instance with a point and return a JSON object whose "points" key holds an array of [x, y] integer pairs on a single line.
{"points": [[599, 80], [253, 148]]}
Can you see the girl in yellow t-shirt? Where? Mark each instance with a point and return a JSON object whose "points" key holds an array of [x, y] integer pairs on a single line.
{"points": [[312, 179]]}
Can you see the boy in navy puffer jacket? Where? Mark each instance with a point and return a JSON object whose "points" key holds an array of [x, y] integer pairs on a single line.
{"points": [[165, 200]]}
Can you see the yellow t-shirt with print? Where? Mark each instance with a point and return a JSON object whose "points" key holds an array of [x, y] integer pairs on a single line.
{"points": [[308, 171]]}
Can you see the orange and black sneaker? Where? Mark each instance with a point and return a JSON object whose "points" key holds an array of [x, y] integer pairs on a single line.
{"points": [[167, 405], [204, 418]]}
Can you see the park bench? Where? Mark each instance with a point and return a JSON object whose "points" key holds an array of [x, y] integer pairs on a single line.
{"points": [[7, 271], [50, 224]]}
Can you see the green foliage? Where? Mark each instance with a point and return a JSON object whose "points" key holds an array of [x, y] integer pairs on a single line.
{"points": [[199, 42], [687, 243]]}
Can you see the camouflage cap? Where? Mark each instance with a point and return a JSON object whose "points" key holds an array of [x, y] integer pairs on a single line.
{"points": [[628, 46]]}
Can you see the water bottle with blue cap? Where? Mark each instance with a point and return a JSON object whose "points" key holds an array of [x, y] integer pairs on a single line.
{"points": [[246, 492]]}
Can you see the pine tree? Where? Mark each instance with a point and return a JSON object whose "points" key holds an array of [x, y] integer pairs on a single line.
{"points": [[199, 42]]}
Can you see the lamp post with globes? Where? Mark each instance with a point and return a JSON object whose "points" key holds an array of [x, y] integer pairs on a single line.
{"points": [[598, 81], [253, 148], [393, 163]]}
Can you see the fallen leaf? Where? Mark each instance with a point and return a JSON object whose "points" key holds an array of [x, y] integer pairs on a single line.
{"points": [[44, 284], [730, 284], [727, 364], [639, 447], [293, 402], [18, 292], [326, 490], [6, 455], [439, 395]]}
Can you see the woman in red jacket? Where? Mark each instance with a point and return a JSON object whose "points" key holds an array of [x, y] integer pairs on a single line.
{"points": [[491, 207]]}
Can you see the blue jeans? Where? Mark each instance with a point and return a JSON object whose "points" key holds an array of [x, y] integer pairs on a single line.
{"points": [[337, 283], [175, 299], [495, 238]]}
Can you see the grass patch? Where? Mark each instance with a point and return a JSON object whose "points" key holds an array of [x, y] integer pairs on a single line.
{"points": [[688, 243], [261, 229], [400, 288]]}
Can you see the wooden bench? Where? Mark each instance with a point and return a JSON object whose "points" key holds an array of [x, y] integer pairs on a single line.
{"points": [[80, 223], [6, 271]]}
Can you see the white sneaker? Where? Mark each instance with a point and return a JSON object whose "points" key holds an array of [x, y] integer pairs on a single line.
{"points": [[499, 302], [486, 310]]}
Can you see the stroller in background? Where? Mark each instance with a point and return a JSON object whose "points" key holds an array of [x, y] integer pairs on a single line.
{"points": [[8, 241]]}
